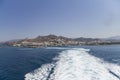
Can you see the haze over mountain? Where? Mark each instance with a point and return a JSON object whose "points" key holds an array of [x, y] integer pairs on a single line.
{"points": [[115, 37]]}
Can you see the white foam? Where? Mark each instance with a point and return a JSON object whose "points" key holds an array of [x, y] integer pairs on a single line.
{"points": [[76, 64], [40, 74]]}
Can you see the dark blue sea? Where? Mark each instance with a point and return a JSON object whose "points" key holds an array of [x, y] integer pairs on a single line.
{"points": [[60, 63]]}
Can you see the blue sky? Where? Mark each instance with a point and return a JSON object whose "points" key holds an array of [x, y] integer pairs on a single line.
{"points": [[71, 18]]}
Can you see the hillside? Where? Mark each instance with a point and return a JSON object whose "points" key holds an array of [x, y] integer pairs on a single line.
{"points": [[53, 40]]}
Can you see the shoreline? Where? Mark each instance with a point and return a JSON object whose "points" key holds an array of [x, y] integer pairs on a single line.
{"points": [[61, 46]]}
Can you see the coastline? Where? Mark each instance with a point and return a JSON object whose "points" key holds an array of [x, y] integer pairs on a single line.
{"points": [[62, 46], [59, 41]]}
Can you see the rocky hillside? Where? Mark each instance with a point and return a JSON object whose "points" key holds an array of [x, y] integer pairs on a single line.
{"points": [[53, 40]]}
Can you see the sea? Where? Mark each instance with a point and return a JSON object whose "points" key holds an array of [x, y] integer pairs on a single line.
{"points": [[60, 63]]}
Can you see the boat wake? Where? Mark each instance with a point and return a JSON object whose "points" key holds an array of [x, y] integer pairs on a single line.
{"points": [[76, 64]]}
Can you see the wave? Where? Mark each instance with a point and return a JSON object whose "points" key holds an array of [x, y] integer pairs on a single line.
{"points": [[76, 64]]}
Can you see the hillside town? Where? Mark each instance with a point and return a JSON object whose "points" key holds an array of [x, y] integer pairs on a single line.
{"points": [[54, 41]]}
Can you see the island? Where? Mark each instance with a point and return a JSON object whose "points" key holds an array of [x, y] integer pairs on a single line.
{"points": [[55, 41]]}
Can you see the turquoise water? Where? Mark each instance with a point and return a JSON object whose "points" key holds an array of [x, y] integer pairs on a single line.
{"points": [[15, 63]]}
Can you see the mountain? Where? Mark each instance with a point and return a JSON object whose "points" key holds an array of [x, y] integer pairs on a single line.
{"points": [[13, 40], [86, 39], [112, 39], [53, 40], [115, 37]]}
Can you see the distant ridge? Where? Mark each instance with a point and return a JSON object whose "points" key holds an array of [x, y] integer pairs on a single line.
{"points": [[86, 39], [13, 40], [55, 37], [115, 37]]}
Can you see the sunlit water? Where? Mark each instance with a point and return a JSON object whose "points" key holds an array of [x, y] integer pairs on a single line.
{"points": [[60, 63]]}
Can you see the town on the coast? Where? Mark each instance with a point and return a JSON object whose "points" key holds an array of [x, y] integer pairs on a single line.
{"points": [[55, 41]]}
